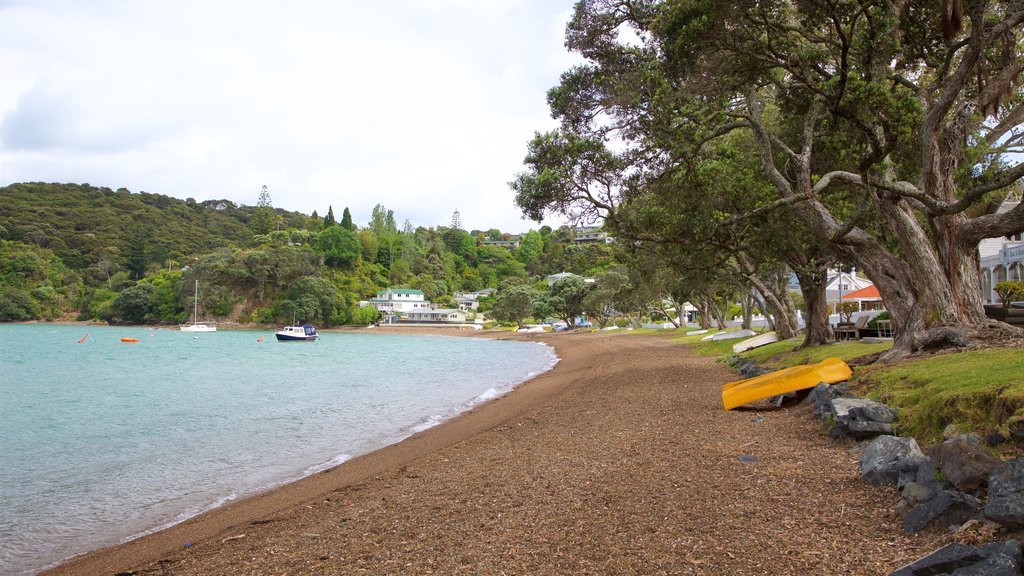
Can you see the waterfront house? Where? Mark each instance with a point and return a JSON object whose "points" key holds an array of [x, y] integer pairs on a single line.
{"points": [[397, 301], [435, 315]]}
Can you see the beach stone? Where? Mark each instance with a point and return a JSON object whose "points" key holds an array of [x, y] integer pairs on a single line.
{"points": [[1006, 494], [821, 396], [947, 508], [994, 439], [913, 495], [888, 459], [996, 559], [861, 418], [966, 464]]}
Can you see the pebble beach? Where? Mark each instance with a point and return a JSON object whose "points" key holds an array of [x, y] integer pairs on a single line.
{"points": [[620, 460]]}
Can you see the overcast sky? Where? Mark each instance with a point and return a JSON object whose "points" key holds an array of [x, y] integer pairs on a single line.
{"points": [[424, 106]]}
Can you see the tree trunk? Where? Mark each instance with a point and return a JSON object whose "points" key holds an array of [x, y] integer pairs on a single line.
{"points": [[747, 303], [780, 304], [817, 330]]}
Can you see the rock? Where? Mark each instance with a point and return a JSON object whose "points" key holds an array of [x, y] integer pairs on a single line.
{"points": [[997, 559], [862, 430], [871, 411], [890, 459], [749, 459], [860, 418], [994, 439], [1006, 494], [822, 396], [947, 508], [966, 464], [913, 495]]}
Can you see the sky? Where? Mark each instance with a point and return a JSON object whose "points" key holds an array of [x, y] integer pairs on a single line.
{"points": [[424, 107]]}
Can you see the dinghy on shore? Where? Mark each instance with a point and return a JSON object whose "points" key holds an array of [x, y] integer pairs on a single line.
{"points": [[829, 370]]}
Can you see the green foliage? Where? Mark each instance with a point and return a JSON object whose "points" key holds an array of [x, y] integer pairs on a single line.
{"points": [[134, 304], [1009, 291], [566, 298], [346, 220], [514, 304], [339, 246], [264, 220], [16, 304]]}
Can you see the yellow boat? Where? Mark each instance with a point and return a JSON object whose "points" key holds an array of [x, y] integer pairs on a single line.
{"points": [[830, 370]]}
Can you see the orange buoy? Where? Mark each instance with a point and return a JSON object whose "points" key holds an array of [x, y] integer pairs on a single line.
{"points": [[130, 340]]}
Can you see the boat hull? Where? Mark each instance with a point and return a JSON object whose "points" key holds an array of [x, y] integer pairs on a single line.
{"points": [[304, 333], [741, 392], [290, 338], [197, 328]]}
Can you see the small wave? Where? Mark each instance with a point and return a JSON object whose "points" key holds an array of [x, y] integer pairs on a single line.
{"points": [[336, 461], [428, 424], [185, 516]]}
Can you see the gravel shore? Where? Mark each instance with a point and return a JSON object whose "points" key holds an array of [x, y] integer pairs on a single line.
{"points": [[618, 461]]}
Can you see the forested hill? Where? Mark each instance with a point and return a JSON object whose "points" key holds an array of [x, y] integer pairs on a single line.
{"points": [[82, 224], [70, 251]]}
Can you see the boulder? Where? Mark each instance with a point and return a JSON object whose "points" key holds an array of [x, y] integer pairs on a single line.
{"points": [[1006, 494], [823, 394], [891, 460], [947, 508], [861, 418], [997, 559], [965, 463]]}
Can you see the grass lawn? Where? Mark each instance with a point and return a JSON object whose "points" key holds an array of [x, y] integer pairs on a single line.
{"points": [[978, 391]]}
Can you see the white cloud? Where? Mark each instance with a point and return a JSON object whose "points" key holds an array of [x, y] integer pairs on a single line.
{"points": [[424, 107]]}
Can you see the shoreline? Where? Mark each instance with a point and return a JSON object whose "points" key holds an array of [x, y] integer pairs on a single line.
{"points": [[154, 543], [619, 460]]}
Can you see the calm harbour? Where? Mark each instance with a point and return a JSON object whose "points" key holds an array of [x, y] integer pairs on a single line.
{"points": [[101, 441]]}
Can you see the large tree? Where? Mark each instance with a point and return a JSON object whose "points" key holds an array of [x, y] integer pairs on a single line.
{"points": [[882, 127]]}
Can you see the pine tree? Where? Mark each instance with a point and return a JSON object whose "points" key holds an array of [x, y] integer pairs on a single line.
{"points": [[346, 220], [263, 219], [329, 219]]}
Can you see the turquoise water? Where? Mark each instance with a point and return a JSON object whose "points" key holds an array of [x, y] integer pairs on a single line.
{"points": [[103, 441]]}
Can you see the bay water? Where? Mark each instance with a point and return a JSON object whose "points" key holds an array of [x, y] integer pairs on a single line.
{"points": [[102, 441]]}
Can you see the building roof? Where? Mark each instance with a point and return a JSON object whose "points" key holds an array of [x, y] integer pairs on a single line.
{"points": [[869, 293], [402, 291]]}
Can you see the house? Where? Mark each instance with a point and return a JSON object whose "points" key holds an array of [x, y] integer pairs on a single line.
{"points": [[512, 243], [842, 283], [1001, 259], [397, 301], [556, 277], [466, 303], [866, 298], [447, 315], [587, 234]]}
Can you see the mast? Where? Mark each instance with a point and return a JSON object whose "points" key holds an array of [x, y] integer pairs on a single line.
{"points": [[195, 305]]}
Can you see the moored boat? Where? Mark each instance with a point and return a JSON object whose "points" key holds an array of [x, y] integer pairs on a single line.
{"points": [[196, 325], [304, 333]]}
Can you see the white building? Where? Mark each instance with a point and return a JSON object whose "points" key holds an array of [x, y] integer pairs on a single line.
{"points": [[437, 315], [396, 301], [1001, 259], [842, 283]]}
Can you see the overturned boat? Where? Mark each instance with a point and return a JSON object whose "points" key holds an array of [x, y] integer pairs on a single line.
{"points": [[829, 370]]}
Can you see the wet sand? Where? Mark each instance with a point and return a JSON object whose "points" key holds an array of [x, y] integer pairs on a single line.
{"points": [[620, 460]]}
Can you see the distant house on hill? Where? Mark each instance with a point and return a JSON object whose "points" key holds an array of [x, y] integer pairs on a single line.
{"points": [[396, 301], [556, 277], [587, 234], [510, 243], [1001, 259]]}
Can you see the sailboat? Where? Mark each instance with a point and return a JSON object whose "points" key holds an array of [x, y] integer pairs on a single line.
{"points": [[196, 325]]}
